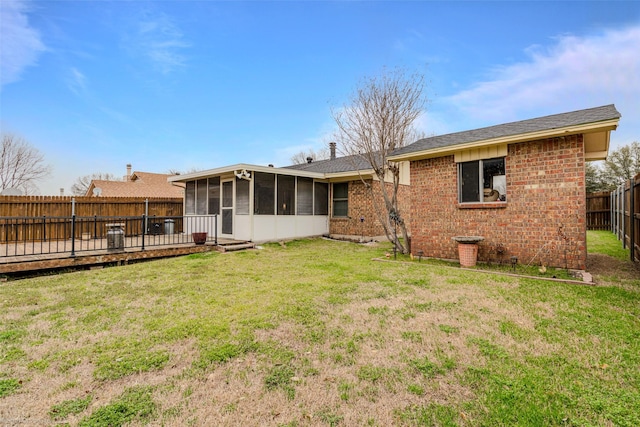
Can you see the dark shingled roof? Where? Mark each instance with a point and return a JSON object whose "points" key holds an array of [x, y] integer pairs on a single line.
{"points": [[574, 118], [337, 165]]}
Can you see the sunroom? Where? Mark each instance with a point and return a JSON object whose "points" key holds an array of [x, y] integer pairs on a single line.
{"points": [[256, 203]]}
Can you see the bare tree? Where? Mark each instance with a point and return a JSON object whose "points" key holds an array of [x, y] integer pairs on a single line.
{"points": [[21, 164], [379, 119], [82, 184], [303, 156], [173, 171]]}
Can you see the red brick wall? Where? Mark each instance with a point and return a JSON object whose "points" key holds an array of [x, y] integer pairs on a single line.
{"points": [[361, 205], [543, 218]]}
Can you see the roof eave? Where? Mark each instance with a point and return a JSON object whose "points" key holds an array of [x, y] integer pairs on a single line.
{"points": [[347, 175], [602, 126], [240, 166]]}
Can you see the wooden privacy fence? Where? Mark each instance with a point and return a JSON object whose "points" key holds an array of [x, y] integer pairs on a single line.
{"points": [[35, 218], [599, 211], [625, 215]]}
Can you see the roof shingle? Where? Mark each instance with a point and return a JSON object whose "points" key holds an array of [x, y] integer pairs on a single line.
{"points": [[337, 165], [574, 118]]}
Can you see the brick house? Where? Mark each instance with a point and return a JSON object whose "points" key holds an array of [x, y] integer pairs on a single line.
{"points": [[259, 203], [519, 185]]}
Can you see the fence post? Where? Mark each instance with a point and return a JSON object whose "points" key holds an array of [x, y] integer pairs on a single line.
{"points": [[73, 235], [620, 213], [624, 216], [44, 228], [215, 228], [6, 235], [614, 212], [632, 210], [144, 229], [95, 227]]}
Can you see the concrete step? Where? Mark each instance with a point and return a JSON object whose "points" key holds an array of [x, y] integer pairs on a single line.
{"points": [[236, 247]]}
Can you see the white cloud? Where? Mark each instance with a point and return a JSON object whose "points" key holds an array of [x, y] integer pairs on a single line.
{"points": [[20, 44], [161, 41], [433, 123], [574, 73], [77, 82]]}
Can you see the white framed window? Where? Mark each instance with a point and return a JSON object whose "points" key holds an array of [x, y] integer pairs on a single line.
{"points": [[341, 199], [482, 181]]}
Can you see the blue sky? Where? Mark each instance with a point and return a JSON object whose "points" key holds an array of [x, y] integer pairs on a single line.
{"points": [[201, 84]]}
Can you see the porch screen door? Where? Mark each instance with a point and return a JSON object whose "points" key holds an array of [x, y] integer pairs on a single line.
{"points": [[227, 207]]}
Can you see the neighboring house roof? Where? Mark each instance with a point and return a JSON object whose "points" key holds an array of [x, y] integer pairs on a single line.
{"points": [[141, 184], [596, 123]]}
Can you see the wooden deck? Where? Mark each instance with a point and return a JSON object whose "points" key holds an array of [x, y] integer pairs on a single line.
{"points": [[34, 256]]}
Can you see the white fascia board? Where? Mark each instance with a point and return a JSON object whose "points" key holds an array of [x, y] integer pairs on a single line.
{"points": [[596, 155], [607, 125], [240, 166], [349, 175]]}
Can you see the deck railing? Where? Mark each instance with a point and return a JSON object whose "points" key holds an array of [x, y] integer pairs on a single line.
{"points": [[20, 236]]}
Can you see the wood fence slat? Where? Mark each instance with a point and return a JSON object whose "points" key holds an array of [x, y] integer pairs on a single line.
{"points": [[599, 211], [56, 211]]}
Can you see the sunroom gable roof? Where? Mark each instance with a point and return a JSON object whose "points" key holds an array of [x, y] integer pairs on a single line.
{"points": [[239, 167]]}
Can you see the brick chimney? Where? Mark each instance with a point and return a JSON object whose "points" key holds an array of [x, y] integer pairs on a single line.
{"points": [[332, 149], [128, 176]]}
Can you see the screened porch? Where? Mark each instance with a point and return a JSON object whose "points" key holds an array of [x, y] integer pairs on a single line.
{"points": [[260, 204]]}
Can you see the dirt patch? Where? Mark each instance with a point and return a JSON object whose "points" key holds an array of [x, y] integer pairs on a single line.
{"points": [[603, 267]]}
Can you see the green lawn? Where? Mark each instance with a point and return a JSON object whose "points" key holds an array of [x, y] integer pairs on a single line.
{"points": [[315, 333], [605, 242]]}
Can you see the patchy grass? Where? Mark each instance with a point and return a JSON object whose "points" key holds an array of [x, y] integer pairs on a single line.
{"points": [[315, 333], [135, 403], [62, 410], [610, 261], [8, 386]]}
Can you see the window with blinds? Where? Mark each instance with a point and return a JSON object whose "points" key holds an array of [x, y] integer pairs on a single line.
{"points": [[242, 197], [201, 197], [214, 196], [305, 196], [286, 194], [264, 193], [321, 198], [190, 198]]}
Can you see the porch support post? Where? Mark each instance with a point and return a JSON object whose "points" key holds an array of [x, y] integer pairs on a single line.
{"points": [[144, 229], [73, 234]]}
